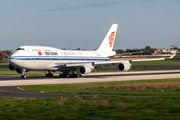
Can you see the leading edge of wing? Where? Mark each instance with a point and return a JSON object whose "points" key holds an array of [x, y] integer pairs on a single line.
{"points": [[150, 59], [78, 64], [122, 61]]}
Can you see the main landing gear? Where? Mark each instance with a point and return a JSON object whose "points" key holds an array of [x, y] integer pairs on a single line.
{"points": [[67, 74], [49, 74]]}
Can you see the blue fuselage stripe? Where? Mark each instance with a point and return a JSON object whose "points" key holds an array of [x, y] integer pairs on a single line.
{"points": [[59, 58]]}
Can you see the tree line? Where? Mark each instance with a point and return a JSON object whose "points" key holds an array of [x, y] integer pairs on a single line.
{"points": [[145, 51], [4, 55]]}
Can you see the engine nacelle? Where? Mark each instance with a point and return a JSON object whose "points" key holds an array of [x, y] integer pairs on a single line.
{"points": [[124, 66], [11, 67], [85, 70]]}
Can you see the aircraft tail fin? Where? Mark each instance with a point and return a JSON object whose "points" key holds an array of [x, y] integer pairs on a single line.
{"points": [[108, 42]]}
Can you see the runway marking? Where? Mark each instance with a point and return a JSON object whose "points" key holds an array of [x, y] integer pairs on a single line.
{"points": [[20, 88], [70, 95], [19, 92]]}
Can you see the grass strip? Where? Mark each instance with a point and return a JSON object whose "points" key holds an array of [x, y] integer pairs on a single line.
{"points": [[104, 108], [170, 87]]}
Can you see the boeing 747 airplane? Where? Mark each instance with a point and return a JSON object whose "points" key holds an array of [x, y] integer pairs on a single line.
{"points": [[72, 63]]}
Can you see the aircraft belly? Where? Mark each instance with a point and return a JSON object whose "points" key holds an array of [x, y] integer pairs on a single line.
{"points": [[42, 65], [32, 65], [35, 64]]}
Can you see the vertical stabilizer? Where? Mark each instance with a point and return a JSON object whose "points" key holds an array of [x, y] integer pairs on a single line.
{"points": [[108, 42]]}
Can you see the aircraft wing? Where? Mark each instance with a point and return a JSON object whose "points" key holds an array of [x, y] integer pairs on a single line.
{"points": [[113, 62], [121, 61], [126, 53], [113, 56], [151, 59]]}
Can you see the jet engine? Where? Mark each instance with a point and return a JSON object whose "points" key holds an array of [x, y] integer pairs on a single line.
{"points": [[124, 66], [85, 70], [11, 67]]}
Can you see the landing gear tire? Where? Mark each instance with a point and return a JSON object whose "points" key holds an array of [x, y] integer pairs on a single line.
{"points": [[76, 75], [23, 77], [80, 75], [49, 75], [62, 75], [69, 75]]}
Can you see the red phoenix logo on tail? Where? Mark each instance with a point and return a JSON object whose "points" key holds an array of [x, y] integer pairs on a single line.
{"points": [[111, 39]]}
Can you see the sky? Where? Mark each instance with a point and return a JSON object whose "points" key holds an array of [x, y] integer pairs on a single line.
{"points": [[83, 24]]}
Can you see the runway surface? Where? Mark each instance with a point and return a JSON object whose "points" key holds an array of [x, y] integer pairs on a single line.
{"points": [[92, 77], [9, 85]]}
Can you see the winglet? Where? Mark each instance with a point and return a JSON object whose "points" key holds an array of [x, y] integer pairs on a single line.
{"points": [[108, 42], [173, 54]]}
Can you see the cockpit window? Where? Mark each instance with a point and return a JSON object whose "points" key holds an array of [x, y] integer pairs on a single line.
{"points": [[20, 48]]}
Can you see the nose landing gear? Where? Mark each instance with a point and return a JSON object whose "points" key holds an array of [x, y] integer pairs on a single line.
{"points": [[23, 76]]}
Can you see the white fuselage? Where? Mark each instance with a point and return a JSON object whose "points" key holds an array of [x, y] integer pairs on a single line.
{"points": [[45, 58]]}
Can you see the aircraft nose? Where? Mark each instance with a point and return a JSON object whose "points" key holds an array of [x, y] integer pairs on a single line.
{"points": [[16, 62], [11, 59]]}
